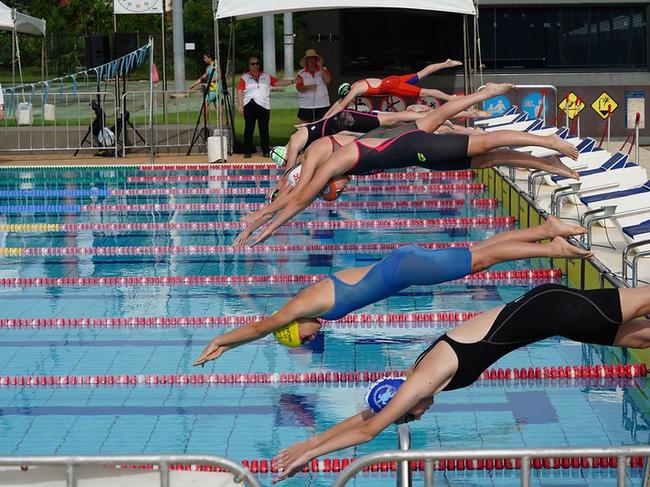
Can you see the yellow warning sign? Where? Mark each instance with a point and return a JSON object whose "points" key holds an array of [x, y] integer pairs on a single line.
{"points": [[572, 104], [604, 105]]}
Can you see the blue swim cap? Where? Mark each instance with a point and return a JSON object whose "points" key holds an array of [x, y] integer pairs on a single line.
{"points": [[382, 391]]}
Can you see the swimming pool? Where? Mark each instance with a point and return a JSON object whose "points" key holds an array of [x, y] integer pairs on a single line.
{"points": [[90, 249]]}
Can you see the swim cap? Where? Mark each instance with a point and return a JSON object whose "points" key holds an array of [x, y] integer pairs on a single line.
{"points": [[382, 391], [344, 89], [293, 175], [278, 155], [273, 195], [333, 189], [288, 335]]}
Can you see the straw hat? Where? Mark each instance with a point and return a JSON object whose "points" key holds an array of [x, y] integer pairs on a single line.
{"points": [[310, 53]]}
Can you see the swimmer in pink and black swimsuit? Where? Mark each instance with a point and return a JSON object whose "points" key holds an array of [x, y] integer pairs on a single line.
{"points": [[420, 147]]}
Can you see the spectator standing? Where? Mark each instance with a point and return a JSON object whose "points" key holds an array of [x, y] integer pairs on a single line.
{"points": [[211, 74], [253, 99], [311, 83]]}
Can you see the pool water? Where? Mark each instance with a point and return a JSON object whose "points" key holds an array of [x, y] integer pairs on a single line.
{"points": [[250, 421]]}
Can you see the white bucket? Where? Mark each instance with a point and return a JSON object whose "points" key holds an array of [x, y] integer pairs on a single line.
{"points": [[24, 115], [214, 149], [49, 112]]}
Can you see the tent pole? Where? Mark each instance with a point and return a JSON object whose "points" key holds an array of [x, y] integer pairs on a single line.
{"points": [[163, 44], [215, 23]]}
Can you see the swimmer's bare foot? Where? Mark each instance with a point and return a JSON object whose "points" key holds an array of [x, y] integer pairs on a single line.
{"points": [[561, 145], [494, 89], [562, 248], [450, 63], [557, 228], [561, 169], [481, 113]]}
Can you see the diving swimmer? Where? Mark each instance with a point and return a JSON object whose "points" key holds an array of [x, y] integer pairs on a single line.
{"points": [[348, 290], [458, 358]]}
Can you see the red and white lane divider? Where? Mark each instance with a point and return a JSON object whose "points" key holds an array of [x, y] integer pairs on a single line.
{"points": [[265, 166], [621, 371], [353, 320], [389, 223], [528, 274], [336, 205], [353, 188], [335, 465], [386, 176]]}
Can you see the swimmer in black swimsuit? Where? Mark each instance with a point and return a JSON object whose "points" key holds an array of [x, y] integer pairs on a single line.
{"points": [[344, 121], [348, 290], [458, 358], [419, 147]]}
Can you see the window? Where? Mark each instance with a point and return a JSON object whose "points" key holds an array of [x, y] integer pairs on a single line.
{"points": [[564, 37], [395, 41]]}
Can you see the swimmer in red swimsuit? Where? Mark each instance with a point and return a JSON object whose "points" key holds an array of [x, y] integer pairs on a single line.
{"points": [[418, 146], [404, 85]]}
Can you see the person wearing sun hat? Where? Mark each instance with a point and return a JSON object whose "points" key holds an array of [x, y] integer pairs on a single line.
{"points": [[311, 83]]}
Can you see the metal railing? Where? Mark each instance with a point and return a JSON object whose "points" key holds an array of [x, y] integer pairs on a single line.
{"points": [[240, 473], [404, 471], [634, 263], [525, 455], [60, 122]]}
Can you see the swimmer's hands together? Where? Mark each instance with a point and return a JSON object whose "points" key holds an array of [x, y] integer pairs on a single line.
{"points": [[266, 234], [252, 216], [213, 351], [242, 238], [291, 460]]}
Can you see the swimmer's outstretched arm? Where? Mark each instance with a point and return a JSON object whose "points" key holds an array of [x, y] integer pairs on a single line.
{"points": [[364, 426], [358, 88], [296, 143], [305, 304], [301, 198]]}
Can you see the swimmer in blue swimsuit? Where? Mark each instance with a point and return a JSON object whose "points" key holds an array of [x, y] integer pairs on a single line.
{"points": [[348, 290]]}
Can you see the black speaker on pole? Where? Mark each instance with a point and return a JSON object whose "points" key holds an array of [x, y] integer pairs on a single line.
{"points": [[124, 43], [98, 50]]}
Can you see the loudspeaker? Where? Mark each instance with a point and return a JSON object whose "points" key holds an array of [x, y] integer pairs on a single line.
{"points": [[124, 43], [98, 50]]}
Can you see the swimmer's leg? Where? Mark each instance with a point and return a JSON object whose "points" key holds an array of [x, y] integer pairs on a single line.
{"points": [[553, 227], [505, 138], [441, 95], [433, 68], [437, 117], [487, 256], [635, 302], [515, 158]]}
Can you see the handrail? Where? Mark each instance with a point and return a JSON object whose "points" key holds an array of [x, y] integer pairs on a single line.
{"points": [[634, 264], [404, 471], [523, 454], [70, 462]]}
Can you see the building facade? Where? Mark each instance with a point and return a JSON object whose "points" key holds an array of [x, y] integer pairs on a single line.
{"points": [[595, 53]]}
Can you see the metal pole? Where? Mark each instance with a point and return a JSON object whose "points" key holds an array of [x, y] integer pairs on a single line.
{"points": [[636, 137], [609, 125], [217, 50], [119, 109], [621, 471], [179, 45], [151, 131], [71, 476], [268, 41], [164, 475], [288, 45], [163, 42], [525, 472], [404, 475]]}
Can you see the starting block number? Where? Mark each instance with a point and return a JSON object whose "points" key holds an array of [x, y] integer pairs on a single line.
{"points": [[604, 105], [572, 105]]}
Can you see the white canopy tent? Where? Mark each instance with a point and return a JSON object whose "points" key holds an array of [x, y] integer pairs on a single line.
{"points": [[11, 19], [237, 8], [19, 23]]}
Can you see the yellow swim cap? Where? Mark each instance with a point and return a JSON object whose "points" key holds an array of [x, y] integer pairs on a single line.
{"points": [[288, 335]]}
